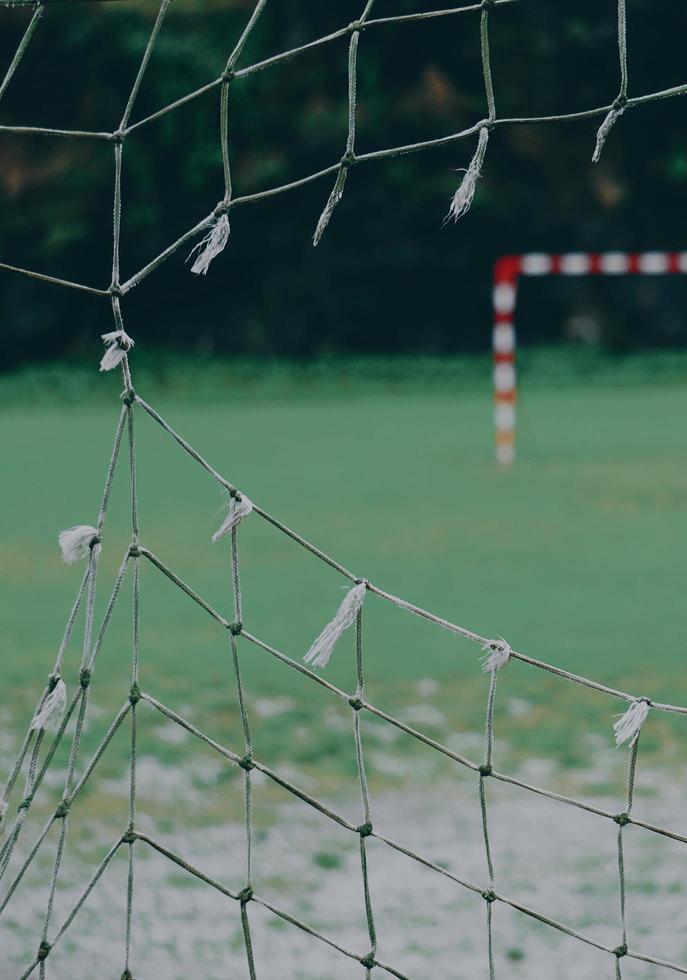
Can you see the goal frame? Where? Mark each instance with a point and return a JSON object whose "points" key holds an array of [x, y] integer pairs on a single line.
{"points": [[508, 270]]}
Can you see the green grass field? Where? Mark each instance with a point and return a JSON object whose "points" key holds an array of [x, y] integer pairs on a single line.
{"points": [[574, 555]]}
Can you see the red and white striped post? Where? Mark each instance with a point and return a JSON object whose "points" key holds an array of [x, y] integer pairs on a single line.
{"points": [[507, 272]]}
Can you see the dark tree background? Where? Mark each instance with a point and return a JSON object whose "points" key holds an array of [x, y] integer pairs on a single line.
{"points": [[388, 275]]}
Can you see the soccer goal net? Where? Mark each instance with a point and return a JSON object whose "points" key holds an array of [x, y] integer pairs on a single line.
{"points": [[62, 707]]}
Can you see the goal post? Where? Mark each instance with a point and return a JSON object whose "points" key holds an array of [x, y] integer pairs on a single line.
{"points": [[507, 273]]}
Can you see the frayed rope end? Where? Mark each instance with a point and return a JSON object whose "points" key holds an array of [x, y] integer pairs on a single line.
{"points": [[238, 508], [603, 131], [50, 713], [628, 725], [320, 652], [462, 199], [118, 345], [332, 201], [211, 245], [76, 542], [497, 655]]}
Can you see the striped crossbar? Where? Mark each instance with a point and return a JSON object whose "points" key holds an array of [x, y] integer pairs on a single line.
{"points": [[507, 272]]}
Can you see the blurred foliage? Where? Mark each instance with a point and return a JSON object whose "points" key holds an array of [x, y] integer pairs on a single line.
{"points": [[387, 275]]}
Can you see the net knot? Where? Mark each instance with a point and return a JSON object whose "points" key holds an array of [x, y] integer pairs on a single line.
{"points": [[485, 770], [356, 703], [221, 209], [135, 693], [95, 540], [62, 809], [127, 975], [355, 25], [85, 678], [134, 551], [365, 829], [129, 396], [228, 75], [118, 136], [488, 4], [245, 895], [622, 819], [25, 803], [620, 951], [247, 763], [43, 951], [489, 897], [115, 289], [129, 836], [619, 103], [235, 628], [348, 159], [53, 681], [368, 961]]}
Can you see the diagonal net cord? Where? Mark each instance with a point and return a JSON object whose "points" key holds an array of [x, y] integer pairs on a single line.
{"points": [[33, 754]]}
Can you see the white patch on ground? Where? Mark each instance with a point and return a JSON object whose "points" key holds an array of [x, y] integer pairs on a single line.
{"points": [[423, 714], [171, 734], [167, 784], [518, 707], [272, 707], [427, 686], [551, 857]]}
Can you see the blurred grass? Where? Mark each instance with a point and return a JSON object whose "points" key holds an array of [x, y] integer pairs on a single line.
{"points": [[207, 379], [574, 554]]}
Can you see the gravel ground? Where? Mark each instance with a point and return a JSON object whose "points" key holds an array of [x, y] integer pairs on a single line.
{"points": [[547, 856]]}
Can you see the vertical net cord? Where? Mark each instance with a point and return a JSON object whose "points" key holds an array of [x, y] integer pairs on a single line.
{"points": [[486, 62], [134, 552], [623, 819], [622, 47], [247, 761], [133, 698], [484, 772], [227, 75], [348, 159], [366, 828], [224, 139]]}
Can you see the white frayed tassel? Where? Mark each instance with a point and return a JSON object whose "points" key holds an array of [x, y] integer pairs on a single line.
{"points": [[333, 200], [210, 246], [76, 542], [52, 710], [462, 199], [604, 129], [628, 725], [239, 507], [497, 655], [319, 653], [118, 345]]}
